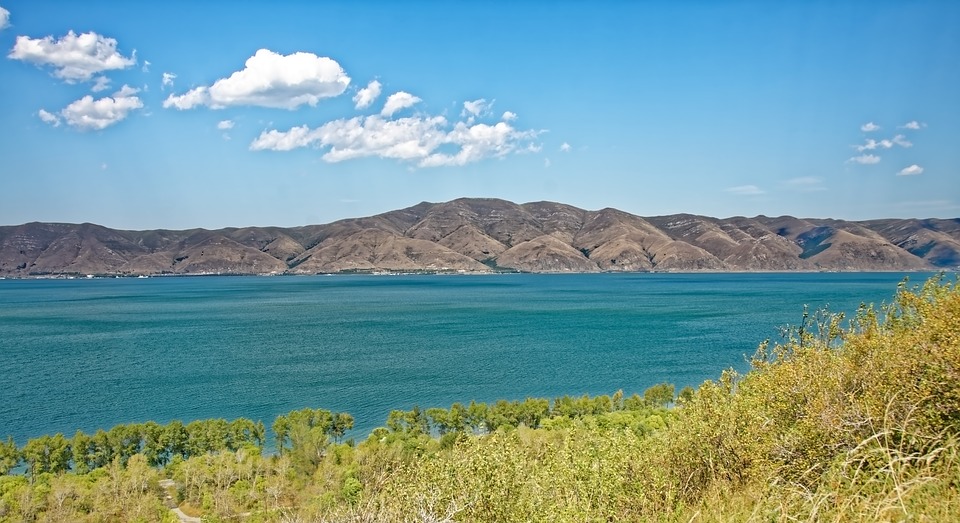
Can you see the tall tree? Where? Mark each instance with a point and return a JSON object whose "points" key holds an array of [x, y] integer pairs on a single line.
{"points": [[9, 456]]}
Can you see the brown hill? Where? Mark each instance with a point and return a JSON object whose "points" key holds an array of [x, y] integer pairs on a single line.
{"points": [[480, 235]]}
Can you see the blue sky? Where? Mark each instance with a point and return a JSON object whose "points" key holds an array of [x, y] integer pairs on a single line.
{"points": [[177, 114]]}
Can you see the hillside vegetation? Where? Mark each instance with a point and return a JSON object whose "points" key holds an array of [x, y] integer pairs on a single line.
{"points": [[844, 420]]}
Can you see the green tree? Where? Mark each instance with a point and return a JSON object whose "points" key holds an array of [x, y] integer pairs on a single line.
{"points": [[173, 439], [659, 395], [82, 448], [9, 456], [281, 432], [47, 454], [342, 422]]}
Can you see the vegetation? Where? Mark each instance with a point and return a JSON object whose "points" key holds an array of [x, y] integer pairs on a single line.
{"points": [[853, 420]]}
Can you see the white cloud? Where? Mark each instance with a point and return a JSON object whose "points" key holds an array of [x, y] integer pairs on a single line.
{"points": [[865, 159], [146, 66], [902, 141], [295, 138], [189, 100], [269, 79], [366, 96], [89, 114], [913, 170], [745, 190], [869, 127], [476, 108], [397, 101], [565, 147], [913, 125], [805, 184], [417, 139], [481, 141], [546, 163], [872, 145], [508, 116], [100, 83], [4, 18], [167, 80], [75, 58], [49, 118], [224, 125]]}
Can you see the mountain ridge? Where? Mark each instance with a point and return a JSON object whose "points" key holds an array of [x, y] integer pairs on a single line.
{"points": [[484, 235]]}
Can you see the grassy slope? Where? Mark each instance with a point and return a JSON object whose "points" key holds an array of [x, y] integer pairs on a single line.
{"points": [[859, 423]]}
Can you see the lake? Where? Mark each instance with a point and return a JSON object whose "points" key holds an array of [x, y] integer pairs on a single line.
{"points": [[88, 354]]}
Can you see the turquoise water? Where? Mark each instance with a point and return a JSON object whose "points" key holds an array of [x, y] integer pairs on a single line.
{"points": [[88, 354]]}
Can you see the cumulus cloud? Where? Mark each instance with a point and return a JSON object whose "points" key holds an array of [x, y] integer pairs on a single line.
{"points": [[366, 96], [89, 114], [745, 190], [869, 127], [167, 80], [74, 58], [481, 141], [49, 118], [913, 170], [865, 159], [913, 125], [565, 147], [397, 101], [416, 139], [4, 18], [225, 125], [269, 79], [508, 116]]}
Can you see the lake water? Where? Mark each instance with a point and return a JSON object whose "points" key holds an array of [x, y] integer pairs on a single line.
{"points": [[88, 354]]}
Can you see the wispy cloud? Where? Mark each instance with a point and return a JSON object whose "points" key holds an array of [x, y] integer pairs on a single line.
{"points": [[167, 80], [476, 108], [366, 96], [101, 83], [269, 79], [869, 127], [805, 184], [565, 147], [913, 170], [4, 18], [225, 125], [865, 159], [49, 118], [912, 125], [74, 58], [745, 190], [902, 141]]}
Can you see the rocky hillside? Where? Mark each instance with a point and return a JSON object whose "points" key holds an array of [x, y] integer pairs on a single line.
{"points": [[479, 235]]}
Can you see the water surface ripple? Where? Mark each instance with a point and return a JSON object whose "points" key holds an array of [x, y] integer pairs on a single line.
{"points": [[88, 354]]}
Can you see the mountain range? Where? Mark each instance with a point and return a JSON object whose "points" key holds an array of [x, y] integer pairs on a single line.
{"points": [[485, 235]]}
